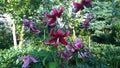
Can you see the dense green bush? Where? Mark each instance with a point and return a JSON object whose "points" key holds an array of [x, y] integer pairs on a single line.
{"points": [[116, 32], [101, 25], [5, 37], [104, 56]]}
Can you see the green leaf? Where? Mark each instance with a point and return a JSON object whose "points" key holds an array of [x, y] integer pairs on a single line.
{"points": [[52, 65]]}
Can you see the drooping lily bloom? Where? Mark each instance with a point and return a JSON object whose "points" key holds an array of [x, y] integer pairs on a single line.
{"points": [[53, 17], [58, 37], [27, 60], [65, 54], [78, 44], [80, 6], [89, 17], [29, 24]]}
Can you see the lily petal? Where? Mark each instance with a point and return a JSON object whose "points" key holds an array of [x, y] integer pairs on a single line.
{"points": [[49, 16], [59, 32], [52, 33], [35, 30], [63, 41], [52, 21], [60, 12], [76, 5], [78, 45], [51, 41], [66, 33], [26, 62], [33, 59], [55, 11]]}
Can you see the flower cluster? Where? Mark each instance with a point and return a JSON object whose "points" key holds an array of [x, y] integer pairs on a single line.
{"points": [[80, 6], [71, 49], [58, 37], [29, 24]]}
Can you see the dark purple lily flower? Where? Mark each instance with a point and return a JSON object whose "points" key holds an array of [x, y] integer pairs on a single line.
{"points": [[53, 17], [58, 37], [88, 19], [29, 24], [80, 6], [78, 44], [27, 60], [65, 54]]}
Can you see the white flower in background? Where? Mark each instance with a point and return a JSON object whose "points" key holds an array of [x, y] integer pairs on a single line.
{"points": [[6, 19]]}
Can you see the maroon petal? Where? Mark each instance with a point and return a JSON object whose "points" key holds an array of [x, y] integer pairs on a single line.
{"points": [[52, 33], [66, 33], [51, 41], [35, 30], [52, 22], [63, 41], [49, 16], [55, 12], [60, 12], [59, 32], [76, 5]]}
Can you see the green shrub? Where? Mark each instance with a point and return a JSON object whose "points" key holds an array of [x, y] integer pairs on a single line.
{"points": [[5, 37], [116, 32], [104, 55]]}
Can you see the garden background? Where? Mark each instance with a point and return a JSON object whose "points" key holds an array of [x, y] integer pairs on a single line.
{"points": [[99, 38]]}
